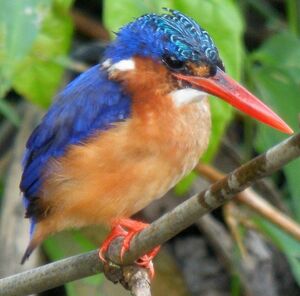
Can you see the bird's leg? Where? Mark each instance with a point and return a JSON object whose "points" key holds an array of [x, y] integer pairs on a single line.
{"points": [[128, 228]]}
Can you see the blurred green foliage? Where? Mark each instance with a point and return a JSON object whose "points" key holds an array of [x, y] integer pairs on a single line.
{"points": [[35, 35], [39, 74], [288, 245], [20, 22], [275, 72], [19, 26]]}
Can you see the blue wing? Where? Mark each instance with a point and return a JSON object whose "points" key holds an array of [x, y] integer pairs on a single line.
{"points": [[88, 104]]}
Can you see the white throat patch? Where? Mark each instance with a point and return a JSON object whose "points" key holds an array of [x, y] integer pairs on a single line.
{"points": [[185, 96], [123, 65]]}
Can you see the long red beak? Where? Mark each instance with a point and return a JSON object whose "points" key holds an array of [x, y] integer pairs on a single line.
{"points": [[224, 87]]}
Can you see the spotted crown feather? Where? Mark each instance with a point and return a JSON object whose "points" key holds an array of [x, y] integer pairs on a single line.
{"points": [[172, 34], [187, 35]]}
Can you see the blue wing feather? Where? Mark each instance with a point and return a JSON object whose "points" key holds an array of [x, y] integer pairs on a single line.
{"points": [[88, 104]]}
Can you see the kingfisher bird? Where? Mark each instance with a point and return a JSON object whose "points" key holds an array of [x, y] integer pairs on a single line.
{"points": [[127, 130]]}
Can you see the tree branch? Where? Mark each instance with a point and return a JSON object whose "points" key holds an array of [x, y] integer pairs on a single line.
{"points": [[161, 230], [254, 201]]}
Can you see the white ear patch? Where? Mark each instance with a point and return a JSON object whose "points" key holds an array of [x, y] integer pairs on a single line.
{"points": [[123, 65], [187, 95], [106, 64]]}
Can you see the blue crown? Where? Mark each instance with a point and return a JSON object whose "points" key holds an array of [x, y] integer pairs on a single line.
{"points": [[172, 34]]}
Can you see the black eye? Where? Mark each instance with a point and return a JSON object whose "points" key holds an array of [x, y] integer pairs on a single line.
{"points": [[173, 64], [212, 70]]}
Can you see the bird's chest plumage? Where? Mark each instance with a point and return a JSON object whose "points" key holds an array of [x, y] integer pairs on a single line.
{"points": [[118, 172], [173, 142], [124, 169]]}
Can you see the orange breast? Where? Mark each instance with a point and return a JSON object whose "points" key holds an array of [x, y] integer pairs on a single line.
{"points": [[120, 171], [124, 169]]}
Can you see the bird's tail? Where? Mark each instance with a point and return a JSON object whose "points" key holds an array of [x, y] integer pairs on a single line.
{"points": [[30, 248], [34, 242]]}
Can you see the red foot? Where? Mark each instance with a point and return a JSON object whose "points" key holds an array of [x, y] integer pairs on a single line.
{"points": [[128, 229]]}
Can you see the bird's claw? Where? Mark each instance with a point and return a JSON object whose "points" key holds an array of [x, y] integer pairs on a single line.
{"points": [[116, 232], [128, 228], [146, 261]]}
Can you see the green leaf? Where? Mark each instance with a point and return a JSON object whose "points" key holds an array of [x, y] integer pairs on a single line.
{"points": [[288, 245], [281, 50], [67, 244], [277, 80], [235, 285], [19, 25], [227, 36], [119, 13], [39, 75]]}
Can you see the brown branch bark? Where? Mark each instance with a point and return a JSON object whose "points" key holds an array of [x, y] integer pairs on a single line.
{"points": [[161, 230], [254, 201]]}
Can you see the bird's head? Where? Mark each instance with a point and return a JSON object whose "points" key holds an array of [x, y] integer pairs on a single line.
{"points": [[177, 51]]}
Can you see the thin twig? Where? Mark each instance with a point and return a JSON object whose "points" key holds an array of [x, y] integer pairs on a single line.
{"points": [[161, 230], [89, 26], [254, 201], [232, 222]]}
